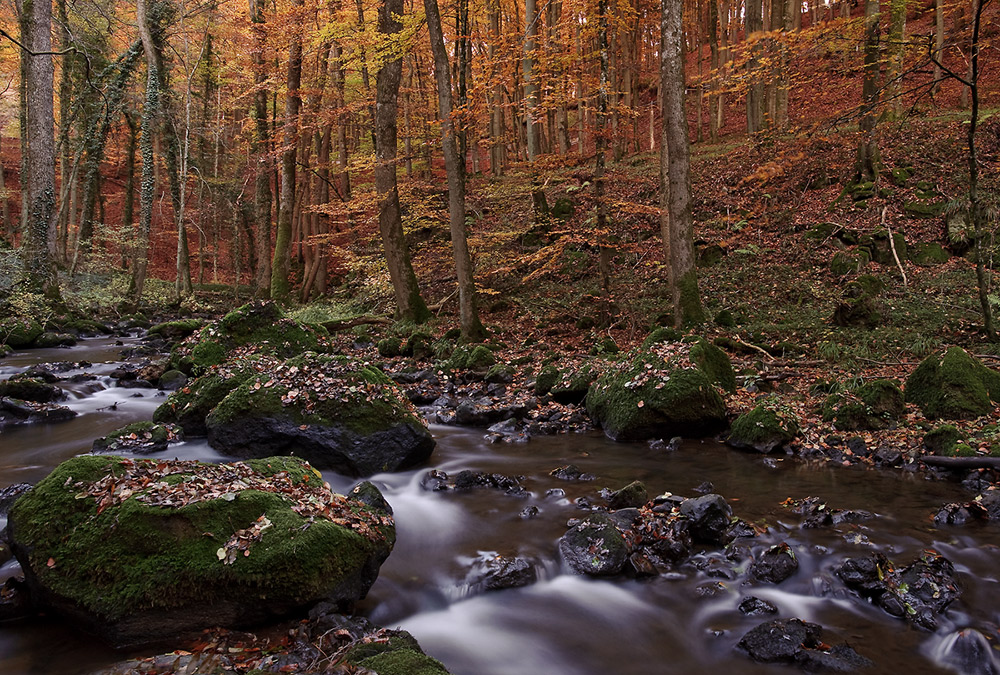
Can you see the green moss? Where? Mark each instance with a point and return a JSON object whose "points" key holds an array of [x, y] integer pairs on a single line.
{"points": [[546, 379], [661, 334], [394, 640], [942, 439], [418, 345], [960, 450], [876, 405], [767, 426], [715, 363], [190, 405], [18, 332], [389, 347], [135, 556], [725, 319], [634, 402], [172, 330], [929, 254], [471, 357], [403, 662], [955, 386], [604, 345], [690, 300], [844, 263], [206, 354]]}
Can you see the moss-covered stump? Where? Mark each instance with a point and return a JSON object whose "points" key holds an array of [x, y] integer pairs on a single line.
{"points": [[873, 406], [661, 393], [140, 438], [18, 332], [337, 413], [953, 386], [765, 428], [258, 327], [138, 550]]}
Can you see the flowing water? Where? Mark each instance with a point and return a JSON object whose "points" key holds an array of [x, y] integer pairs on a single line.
{"points": [[565, 623]]}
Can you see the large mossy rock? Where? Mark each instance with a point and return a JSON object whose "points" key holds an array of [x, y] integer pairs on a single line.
{"points": [[337, 413], [955, 386], [667, 391], [139, 550], [18, 332], [257, 327], [768, 426], [876, 405]]}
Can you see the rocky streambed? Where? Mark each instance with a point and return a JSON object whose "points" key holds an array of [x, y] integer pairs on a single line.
{"points": [[528, 541]]}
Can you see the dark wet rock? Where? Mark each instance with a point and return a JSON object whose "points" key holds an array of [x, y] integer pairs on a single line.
{"points": [[173, 380], [571, 472], [30, 389], [508, 431], [857, 446], [980, 480], [985, 507], [817, 514], [918, 592], [136, 384], [705, 487], [885, 456], [555, 493], [709, 517], [625, 518], [487, 412], [9, 495], [969, 652], [595, 547], [710, 589], [436, 480], [641, 566], [955, 514], [15, 600], [660, 445], [775, 565], [498, 572], [632, 495], [529, 513], [754, 606], [15, 411], [794, 641], [225, 553], [140, 438], [367, 493]]}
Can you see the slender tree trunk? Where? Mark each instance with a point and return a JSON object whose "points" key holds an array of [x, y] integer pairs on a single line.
{"points": [[868, 160], [676, 221], [976, 214], [530, 82], [128, 203], [498, 148], [65, 126], [280, 264], [897, 55], [472, 328], [756, 100], [601, 144], [260, 152], [938, 44], [147, 189], [409, 305]]}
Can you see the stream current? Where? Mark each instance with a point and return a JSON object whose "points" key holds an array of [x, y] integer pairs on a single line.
{"points": [[686, 622]]}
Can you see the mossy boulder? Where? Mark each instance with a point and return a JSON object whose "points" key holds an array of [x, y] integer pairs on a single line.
{"points": [[389, 347], [928, 254], [18, 332], [546, 379], [190, 405], [50, 339], [881, 248], [30, 389], [175, 330], [873, 406], [140, 438], [844, 263], [943, 439], [594, 547], [924, 208], [767, 427], [572, 385], [953, 386], [661, 334], [258, 327], [563, 208], [657, 394], [138, 551], [335, 412], [471, 357], [713, 362]]}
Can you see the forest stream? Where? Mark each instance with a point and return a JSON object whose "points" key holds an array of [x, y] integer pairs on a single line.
{"points": [[686, 621]]}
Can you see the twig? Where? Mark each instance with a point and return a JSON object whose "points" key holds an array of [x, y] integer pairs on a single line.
{"points": [[438, 306], [892, 245], [737, 340]]}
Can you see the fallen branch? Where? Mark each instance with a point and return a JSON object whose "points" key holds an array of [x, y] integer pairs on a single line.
{"points": [[962, 462], [737, 340], [892, 245]]}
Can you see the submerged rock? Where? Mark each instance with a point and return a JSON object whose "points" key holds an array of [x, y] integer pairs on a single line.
{"points": [[30, 389], [499, 572], [436, 480], [137, 550], [969, 652], [595, 547]]}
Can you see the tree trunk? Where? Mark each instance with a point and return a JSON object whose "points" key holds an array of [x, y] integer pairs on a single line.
{"points": [[756, 100], [409, 305], [280, 264], [897, 51], [530, 83], [600, 145], [147, 189], [938, 45], [977, 216], [676, 221], [868, 160], [498, 149], [260, 152], [472, 328]]}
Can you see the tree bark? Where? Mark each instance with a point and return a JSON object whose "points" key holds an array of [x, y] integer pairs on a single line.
{"points": [[472, 328], [676, 221], [260, 152], [150, 114], [868, 160], [498, 148], [530, 83], [280, 264], [409, 305], [756, 100]]}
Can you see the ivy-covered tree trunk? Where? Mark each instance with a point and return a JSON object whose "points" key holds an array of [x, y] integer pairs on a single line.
{"points": [[38, 240], [472, 328], [147, 185], [280, 264], [676, 221], [409, 305]]}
